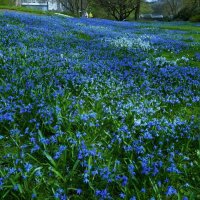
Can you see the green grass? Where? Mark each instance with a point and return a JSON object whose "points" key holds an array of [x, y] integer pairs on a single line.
{"points": [[34, 11], [186, 27], [192, 34], [28, 10], [187, 53]]}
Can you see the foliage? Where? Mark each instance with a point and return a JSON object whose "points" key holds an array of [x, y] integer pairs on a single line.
{"points": [[167, 7], [98, 109], [177, 9], [187, 12], [120, 10], [98, 11], [146, 8], [7, 2], [184, 14], [172, 6], [195, 18]]}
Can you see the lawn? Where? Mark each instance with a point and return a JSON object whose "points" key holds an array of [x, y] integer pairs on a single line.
{"points": [[24, 10], [97, 109]]}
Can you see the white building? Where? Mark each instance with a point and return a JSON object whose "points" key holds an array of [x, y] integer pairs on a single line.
{"points": [[40, 4]]}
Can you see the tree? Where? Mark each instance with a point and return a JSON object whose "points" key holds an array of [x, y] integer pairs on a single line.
{"points": [[168, 7], [146, 8], [74, 6], [173, 6], [191, 3], [137, 9], [190, 8], [120, 9], [97, 10]]}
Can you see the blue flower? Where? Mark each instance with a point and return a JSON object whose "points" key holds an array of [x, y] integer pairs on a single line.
{"points": [[1, 182], [122, 195], [197, 55], [171, 191], [159, 183], [103, 194], [110, 97], [173, 168], [59, 152], [131, 169], [59, 194], [33, 196], [28, 167], [15, 187], [143, 190], [78, 191], [124, 180]]}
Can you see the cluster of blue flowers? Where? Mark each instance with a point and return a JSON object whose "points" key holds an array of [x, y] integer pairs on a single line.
{"points": [[91, 109]]}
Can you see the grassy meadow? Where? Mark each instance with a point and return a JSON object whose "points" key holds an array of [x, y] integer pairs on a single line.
{"points": [[98, 109]]}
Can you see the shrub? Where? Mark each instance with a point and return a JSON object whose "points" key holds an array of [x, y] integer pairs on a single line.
{"points": [[195, 18], [187, 13], [184, 14]]}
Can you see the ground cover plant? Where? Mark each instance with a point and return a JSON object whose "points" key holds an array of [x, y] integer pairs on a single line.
{"points": [[98, 109]]}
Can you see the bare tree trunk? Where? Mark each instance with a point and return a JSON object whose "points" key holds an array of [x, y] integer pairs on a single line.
{"points": [[174, 6], [18, 2], [137, 9], [74, 6], [77, 8], [119, 9]]}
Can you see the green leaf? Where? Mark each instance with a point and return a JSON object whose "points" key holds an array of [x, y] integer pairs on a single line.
{"points": [[33, 158], [51, 160], [57, 173]]}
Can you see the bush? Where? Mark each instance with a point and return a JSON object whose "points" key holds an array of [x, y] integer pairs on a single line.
{"points": [[195, 18], [184, 14]]}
